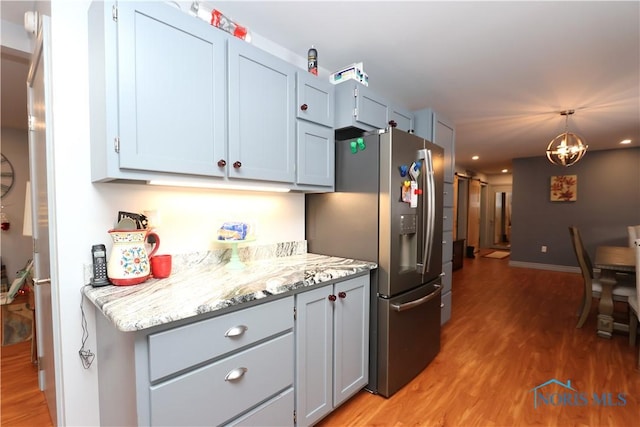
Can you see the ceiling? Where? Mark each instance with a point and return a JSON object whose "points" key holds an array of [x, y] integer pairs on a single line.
{"points": [[501, 72]]}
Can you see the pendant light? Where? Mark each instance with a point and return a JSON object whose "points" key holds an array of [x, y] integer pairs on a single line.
{"points": [[567, 148]]}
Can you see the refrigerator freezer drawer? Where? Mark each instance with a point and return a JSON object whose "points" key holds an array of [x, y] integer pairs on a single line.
{"points": [[409, 336]]}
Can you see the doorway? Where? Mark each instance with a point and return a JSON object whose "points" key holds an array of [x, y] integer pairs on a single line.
{"points": [[500, 224]]}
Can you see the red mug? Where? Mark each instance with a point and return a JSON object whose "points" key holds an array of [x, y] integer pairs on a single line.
{"points": [[160, 266]]}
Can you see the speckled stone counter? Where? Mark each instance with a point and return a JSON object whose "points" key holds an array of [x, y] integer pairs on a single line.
{"points": [[200, 284]]}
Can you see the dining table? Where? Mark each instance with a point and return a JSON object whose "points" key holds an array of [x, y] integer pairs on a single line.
{"points": [[612, 260]]}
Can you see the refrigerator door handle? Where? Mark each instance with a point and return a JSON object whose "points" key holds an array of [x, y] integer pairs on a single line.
{"points": [[428, 207], [415, 303]]}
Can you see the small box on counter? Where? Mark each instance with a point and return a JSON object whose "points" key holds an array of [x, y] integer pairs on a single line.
{"points": [[233, 231], [354, 71]]}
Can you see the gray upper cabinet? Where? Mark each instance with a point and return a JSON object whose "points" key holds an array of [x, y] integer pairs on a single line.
{"points": [[400, 118], [444, 136], [151, 112], [316, 155], [437, 129], [262, 138], [360, 107], [316, 99], [173, 98], [316, 140]]}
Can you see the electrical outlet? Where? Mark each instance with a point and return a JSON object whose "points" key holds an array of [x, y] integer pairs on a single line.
{"points": [[543, 249], [87, 273]]}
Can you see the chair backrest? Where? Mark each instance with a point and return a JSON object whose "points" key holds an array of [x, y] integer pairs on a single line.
{"points": [[583, 260], [637, 246], [17, 283], [634, 233]]}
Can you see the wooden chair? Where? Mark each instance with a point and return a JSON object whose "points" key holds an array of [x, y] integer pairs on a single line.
{"points": [[592, 286], [634, 312], [20, 280], [634, 233]]}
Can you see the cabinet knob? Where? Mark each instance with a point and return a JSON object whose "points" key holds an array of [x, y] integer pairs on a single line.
{"points": [[304, 107], [393, 123], [342, 294], [222, 163], [332, 297], [235, 374], [237, 165]]}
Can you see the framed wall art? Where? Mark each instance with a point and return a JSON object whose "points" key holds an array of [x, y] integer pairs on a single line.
{"points": [[564, 188]]}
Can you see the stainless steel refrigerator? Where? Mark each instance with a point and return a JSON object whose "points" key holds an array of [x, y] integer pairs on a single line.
{"points": [[387, 208]]}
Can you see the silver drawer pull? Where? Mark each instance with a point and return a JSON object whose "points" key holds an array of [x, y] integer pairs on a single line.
{"points": [[235, 374], [441, 305], [236, 331]]}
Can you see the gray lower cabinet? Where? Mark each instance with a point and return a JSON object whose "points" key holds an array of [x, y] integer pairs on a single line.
{"points": [[332, 347], [218, 392], [237, 368]]}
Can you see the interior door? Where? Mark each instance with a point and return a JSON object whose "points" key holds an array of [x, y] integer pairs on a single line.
{"points": [[473, 215], [39, 138]]}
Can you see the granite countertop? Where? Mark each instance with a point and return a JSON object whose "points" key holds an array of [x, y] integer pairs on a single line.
{"points": [[204, 287]]}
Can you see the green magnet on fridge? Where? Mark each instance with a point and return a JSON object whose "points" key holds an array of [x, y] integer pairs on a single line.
{"points": [[361, 144], [354, 147]]}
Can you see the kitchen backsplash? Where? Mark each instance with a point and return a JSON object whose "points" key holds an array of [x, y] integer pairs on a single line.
{"points": [[248, 253]]}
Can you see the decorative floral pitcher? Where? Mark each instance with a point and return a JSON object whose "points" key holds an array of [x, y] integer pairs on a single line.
{"points": [[129, 262]]}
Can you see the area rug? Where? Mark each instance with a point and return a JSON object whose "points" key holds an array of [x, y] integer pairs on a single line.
{"points": [[16, 323], [497, 254]]}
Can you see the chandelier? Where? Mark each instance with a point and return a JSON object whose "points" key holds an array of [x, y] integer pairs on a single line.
{"points": [[566, 148]]}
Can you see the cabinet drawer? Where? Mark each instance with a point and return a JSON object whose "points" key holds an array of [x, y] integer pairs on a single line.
{"points": [[447, 246], [276, 412], [448, 195], [204, 397], [447, 277], [179, 348], [447, 219], [445, 308]]}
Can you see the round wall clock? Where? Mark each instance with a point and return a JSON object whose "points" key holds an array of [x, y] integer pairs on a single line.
{"points": [[7, 175]]}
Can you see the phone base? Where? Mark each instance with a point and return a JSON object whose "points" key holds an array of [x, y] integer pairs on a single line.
{"points": [[100, 282]]}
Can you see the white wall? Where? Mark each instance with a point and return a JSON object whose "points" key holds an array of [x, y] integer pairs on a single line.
{"points": [[16, 248], [85, 211]]}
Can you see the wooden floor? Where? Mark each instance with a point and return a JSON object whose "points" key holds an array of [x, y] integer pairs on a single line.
{"points": [[511, 330], [22, 402]]}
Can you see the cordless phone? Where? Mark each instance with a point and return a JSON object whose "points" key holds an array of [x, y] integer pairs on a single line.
{"points": [[99, 257]]}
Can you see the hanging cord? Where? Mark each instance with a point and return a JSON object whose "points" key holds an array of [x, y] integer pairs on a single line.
{"points": [[85, 355]]}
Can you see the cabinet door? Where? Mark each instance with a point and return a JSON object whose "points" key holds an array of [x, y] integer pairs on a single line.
{"points": [[261, 115], [444, 136], [315, 99], [171, 84], [371, 109], [316, 154], [401, 117], [314, 355], [351, 338]]}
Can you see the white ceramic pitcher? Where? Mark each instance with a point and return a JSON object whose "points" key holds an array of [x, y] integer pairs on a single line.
{"points": [[129, 261]]}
